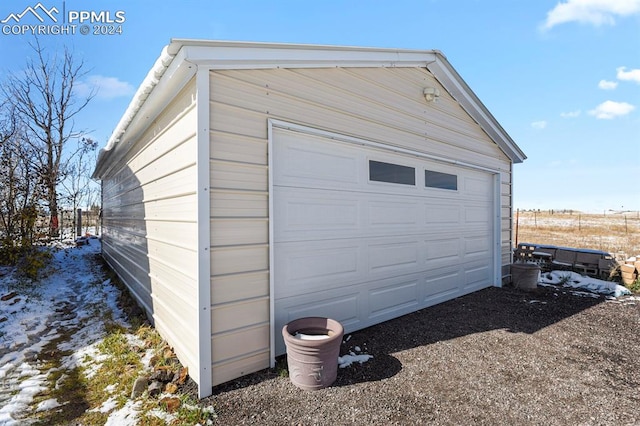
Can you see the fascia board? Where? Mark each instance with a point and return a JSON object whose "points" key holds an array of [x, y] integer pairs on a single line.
{"points": [[216, 55], [176, 44], [461, 92]]}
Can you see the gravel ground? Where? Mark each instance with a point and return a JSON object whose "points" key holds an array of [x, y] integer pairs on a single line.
{"points": [[498, 356]]}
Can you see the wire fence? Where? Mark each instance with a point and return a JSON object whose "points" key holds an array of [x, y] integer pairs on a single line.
{"points": [[616, 233]]}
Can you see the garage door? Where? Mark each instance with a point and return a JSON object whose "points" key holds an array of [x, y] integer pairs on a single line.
{"points": [[362, 234]]}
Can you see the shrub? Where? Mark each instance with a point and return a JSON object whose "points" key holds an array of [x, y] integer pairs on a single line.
{"points": [[34, 262], [635, 286], [29, 260]]}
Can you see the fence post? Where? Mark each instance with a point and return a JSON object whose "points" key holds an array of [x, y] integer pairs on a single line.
{"points": [[79, 223], [517, 223], [626, 226]]}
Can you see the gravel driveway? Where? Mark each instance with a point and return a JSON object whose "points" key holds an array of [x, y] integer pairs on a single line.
{"points": [[498, 356]]}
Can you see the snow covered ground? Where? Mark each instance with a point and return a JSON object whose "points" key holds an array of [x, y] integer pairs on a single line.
{"points": [[73, 298], [582, 283]]}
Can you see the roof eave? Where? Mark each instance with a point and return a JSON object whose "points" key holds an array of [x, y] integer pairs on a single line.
{"points": [[170, 73]]}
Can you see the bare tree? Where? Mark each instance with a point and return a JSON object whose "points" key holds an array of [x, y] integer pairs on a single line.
{"points": [[77, 185], [7, 172], [19, 190], [43, 96]]}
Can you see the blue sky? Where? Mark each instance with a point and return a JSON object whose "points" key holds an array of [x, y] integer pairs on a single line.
{"points": [[562, 77]]}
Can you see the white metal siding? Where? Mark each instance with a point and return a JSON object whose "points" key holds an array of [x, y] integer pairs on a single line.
{"points": [[149, 233], [383, 105]]}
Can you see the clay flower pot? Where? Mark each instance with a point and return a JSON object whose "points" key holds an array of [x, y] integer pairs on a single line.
{"points": [[313, 347]]}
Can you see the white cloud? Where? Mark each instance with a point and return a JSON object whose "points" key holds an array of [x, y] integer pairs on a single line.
{"points": [[104, 87], [610, 109], [631, 75], [571, 114], [539, 124], [595, 12], [607, 85]]}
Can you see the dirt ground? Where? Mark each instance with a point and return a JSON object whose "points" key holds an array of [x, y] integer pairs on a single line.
{"points": [[498, 356]]}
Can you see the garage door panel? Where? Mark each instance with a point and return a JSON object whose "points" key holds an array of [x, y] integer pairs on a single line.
{"points": [[474, 215], [476, 278], [476, 247], [304, 213], [438, 214], [395, 296], [330, 170], [304, 161], [343, 307], [393, 213], [443, 283], [445, 250], [395, 256], [477, 185], [319, 265]]}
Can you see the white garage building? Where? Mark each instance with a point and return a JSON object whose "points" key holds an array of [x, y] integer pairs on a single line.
{"points": [[250, 184]]}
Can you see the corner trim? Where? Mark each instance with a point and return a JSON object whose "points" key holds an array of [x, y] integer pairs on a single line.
{"points": [[205, 379], [272, 314]]}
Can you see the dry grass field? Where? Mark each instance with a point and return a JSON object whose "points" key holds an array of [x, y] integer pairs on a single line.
{"points": [[616, 233]]}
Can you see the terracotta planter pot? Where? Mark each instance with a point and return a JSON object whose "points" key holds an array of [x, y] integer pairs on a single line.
{"points": [[525, 275], [313, 347]]}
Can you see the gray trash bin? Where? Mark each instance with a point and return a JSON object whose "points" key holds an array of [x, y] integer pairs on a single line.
{"points": [[525, 276]]}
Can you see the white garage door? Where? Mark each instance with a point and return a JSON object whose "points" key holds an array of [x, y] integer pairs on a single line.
{"points": [[363, 235]]}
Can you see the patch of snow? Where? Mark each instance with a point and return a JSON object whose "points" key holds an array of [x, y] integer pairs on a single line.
{"points": [[60, 380], [168, 418], [32, 386], [25, 390], [303, 336], [48, 404], [88, 357], [146, 359], [107, 406], [125, 416], [580, 282], [346, 360]]}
